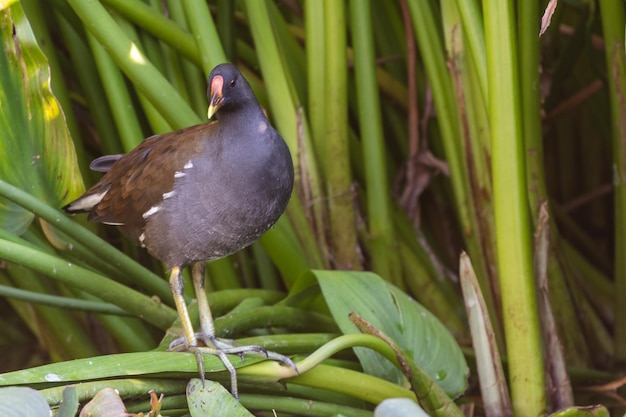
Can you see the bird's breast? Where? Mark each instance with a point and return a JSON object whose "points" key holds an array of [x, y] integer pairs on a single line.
{"points": [[219, 204]]}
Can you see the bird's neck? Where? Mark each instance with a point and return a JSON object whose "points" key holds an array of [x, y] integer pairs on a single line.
{"points": [[240, 118]]}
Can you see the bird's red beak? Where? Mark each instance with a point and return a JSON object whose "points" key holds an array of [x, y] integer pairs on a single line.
{"points": [[217, 98]]}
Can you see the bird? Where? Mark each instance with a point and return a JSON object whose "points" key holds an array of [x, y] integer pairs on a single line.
{"points": [[198, 194]]}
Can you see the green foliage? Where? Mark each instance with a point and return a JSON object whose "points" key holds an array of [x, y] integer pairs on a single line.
{"points": [[418, 129], [403, 320], [35, 147]]}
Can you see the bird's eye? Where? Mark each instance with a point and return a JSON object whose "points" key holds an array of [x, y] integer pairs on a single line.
{"points": [[233, 82]]}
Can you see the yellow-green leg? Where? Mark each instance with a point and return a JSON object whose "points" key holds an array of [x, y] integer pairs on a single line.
{"points": [[191, 341], [177, 287]]}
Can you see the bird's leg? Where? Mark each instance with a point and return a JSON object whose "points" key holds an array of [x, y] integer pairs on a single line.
{"points": [[206, 323], [177, 287], [204, 309], [207, 334], [213, 345]]}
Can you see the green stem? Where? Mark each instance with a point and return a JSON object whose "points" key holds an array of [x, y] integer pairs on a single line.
{"points": [[561, 301], [153, 22], [61, 302], [283, 247], [519, 299], [119, 99], [147, 46], [383, 247], [477, 235], [613, 21], [88, 281], [295, 406], [475, 38], [274, 316], [147, 79], [226, 28], [193, 74], [336, 155], [125, 387], [205, 33], [91, 87], [53, 325], [291, 122], [346, 341], [352, 383], [292, 53], [222, 274], [141, 276]]}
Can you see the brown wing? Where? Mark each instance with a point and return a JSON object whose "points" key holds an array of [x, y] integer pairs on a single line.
{"points": [[138, 180]]}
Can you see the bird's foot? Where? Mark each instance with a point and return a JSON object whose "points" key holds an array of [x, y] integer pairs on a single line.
{"points": [[223, 347]]}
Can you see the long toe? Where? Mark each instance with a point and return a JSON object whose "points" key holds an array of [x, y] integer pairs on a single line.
{"points": [[179, 345], [282, 358], [199, 351], [222, 348], [230, 347]]}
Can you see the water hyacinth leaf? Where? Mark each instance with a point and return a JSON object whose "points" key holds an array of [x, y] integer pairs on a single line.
{"points": [[36, 151], [430, 395], [212, 399], [22, 402], [405, 321]]}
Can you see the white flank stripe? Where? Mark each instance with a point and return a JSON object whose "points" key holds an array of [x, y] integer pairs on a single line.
{"points": [[88, 202], [168, 195], [188, 165], [179, 174], [150, 212]]}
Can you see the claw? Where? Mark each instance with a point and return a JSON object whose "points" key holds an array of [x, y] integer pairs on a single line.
{"points": [[178, 345], [199, 361]]}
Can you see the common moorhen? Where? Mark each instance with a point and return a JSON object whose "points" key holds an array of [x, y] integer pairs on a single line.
{"points": [[199, 194]]}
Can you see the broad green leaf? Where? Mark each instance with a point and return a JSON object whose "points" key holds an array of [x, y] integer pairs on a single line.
{"points": [[36, 151], [212, 399], [405, 321], [22, 402], [430, 395], [120, 365]]}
